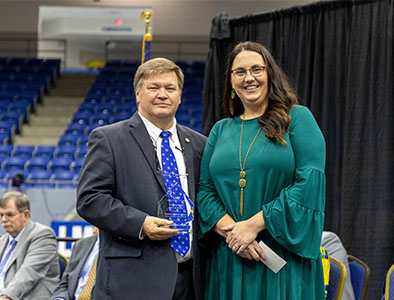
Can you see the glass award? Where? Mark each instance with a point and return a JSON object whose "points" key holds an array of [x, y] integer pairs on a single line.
{"points": [[170, 207]]}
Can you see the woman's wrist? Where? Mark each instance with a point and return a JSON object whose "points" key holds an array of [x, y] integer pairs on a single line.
{"points": [[257, 222]]}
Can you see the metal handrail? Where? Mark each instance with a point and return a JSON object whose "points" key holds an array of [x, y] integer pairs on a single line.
{"points": [[158, 49], [29, 48]]}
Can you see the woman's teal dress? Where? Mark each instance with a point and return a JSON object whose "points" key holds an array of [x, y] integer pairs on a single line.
{"points": [[287, 183]]}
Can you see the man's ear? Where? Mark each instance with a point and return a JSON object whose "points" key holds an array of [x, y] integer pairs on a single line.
{"points": [[137, 97], [27, 213]]}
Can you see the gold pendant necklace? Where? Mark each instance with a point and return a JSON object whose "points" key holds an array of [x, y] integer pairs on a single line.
{"points": [[242, 173]]}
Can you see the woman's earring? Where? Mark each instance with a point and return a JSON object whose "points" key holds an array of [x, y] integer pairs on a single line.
{"points": [[232, 94]]}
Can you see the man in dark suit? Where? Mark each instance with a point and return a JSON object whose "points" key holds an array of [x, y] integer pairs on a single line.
{"points": [[121, 191], [79, 266]]}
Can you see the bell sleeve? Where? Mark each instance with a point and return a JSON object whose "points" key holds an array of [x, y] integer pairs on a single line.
{"points": [[295, 218], [210, 207]]}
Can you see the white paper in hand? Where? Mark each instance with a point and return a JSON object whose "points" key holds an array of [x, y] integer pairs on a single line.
{"points": [[273, 260]]}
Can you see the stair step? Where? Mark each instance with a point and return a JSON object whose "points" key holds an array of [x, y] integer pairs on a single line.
{"points": [[56, 110], [58, 121], [42, 131]]}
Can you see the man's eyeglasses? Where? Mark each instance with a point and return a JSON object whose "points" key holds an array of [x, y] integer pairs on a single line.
{"points": [[255, 71]]}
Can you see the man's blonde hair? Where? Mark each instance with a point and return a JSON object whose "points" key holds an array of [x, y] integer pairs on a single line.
{"points": [[157, 66]]}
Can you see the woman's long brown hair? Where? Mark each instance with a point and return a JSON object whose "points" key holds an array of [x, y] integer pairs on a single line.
{"points": [[275, 120]]}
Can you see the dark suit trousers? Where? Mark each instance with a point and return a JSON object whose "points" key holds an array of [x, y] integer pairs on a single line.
{"points": [[184, 289]]}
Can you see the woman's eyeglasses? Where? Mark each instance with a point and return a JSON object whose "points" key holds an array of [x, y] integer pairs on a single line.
{"points": [[255, 71]]}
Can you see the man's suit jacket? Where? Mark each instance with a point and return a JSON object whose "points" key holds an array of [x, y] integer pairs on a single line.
{"points": [[69, 282], [33, 268], [121, 183]]}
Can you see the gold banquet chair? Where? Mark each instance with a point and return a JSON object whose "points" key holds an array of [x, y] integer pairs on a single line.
{"points": [[337, 279], [359, 273], [389, 289], [63, 261]]}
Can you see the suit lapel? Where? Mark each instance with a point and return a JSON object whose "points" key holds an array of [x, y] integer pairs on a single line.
{"points": [[141, 136], [186, 143], [20, 245], [3, 244], [83, 254]]}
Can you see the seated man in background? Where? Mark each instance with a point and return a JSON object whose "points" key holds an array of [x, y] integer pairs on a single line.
{"points": [[334, 247], [29, 266], [79, 273]]}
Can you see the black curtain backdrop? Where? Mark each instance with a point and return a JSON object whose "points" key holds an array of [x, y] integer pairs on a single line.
{"points": [[339, 57]]}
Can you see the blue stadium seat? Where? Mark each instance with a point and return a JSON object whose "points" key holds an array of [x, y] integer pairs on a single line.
{"points": [[14, 117], [129, 98], [9, 129], [62, 175], [87, 107], [14, 172], [60, 163], [82, 117], [93, 98], [81, 151], [37, 163], [120, 117], [68, 140], [21, 106], [6, 150], [100, 118], [45, 151], [128, 107], [67, 151], [113, 98], [23, 151], [105, 108], [74, 128], [3, 138], [91, 127], [38, 175], [77, 165], [3, 174], [14, 163], [83, 140]]}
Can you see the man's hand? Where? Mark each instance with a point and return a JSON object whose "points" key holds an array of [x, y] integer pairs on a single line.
{"points": [[157, 229], [4, 298]]}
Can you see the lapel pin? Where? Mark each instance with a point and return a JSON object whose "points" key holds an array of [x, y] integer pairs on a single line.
{"points": [[187, 140]]}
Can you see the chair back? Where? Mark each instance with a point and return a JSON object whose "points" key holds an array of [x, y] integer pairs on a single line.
{"points": [[63, 261], [389, 291], [337, 279], [359, 275]]}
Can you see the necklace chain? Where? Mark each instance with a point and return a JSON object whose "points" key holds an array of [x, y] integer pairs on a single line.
{"points": [[242, 166], [242, 173]]}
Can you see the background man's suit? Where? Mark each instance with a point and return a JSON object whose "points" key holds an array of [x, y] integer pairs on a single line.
{"points": [[33, 268], [69, 282], [121, 183]]}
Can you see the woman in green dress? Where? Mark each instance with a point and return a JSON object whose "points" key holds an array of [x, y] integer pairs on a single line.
{"points": [[262, 179]]}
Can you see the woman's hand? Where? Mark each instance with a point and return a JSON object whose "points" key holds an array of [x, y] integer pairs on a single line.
{"points": [[241, 234], [253, 251], [224, 222]]}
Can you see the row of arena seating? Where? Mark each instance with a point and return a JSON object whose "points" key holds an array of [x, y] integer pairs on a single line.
{"points": [[112, 95], [41, 166], [23, 82], [111, 99]]}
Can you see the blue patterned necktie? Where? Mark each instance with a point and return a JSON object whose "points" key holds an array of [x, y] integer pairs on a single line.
{"points": [[7, 256], [176, 197]]}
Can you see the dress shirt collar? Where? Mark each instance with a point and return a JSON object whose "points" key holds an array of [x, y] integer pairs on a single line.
{"points": [[154, 131], [10, 238]]}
